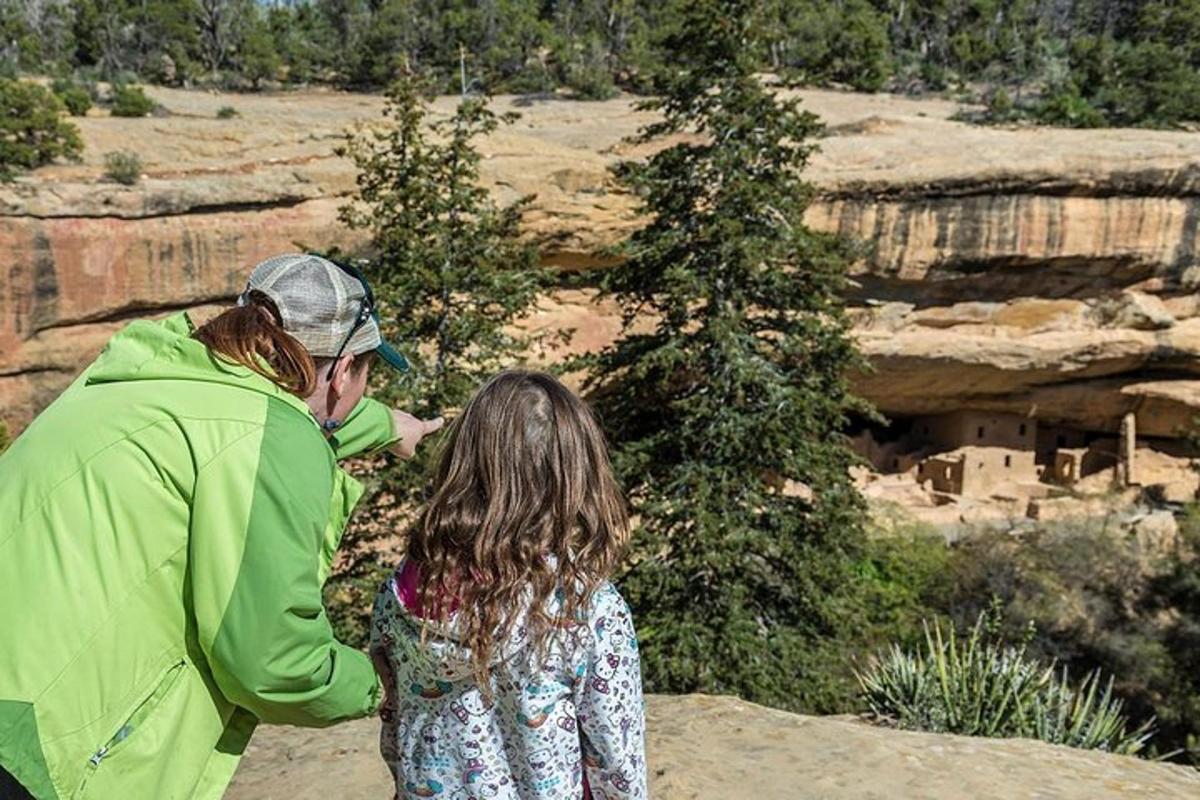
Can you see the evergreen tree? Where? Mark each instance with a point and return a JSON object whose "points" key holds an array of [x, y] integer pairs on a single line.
{"points": [[380, 36], [725, 417], [453, 277], [232, 33], [257, 58], [32, 130], [820, 42], [298, 35]]}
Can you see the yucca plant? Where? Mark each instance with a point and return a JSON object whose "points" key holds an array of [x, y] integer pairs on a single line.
{"points": [[979, 686]]}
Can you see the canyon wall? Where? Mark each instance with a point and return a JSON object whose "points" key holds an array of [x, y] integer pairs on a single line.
{"points": [[1043, 272]]}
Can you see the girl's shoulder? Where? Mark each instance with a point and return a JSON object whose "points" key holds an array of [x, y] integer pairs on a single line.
{"points": [[608, 609], [607, 599], [401, 590], [399, 596]]}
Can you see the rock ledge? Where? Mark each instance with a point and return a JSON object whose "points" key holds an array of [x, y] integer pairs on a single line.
{"points": [[723, 748]]}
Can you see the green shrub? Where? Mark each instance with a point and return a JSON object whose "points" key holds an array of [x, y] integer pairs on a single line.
{"points": [[1000, 107], [1150, 85], [863, 48], [130, 101], [75, 97], [979, 686], [258, 59], [819, 43], [32, 130], [903, 572], [1069, 109], [899, 578], [533, 78], [1098, 602], [591, 83], [123, 166], [227, 112], [1110, 82]]}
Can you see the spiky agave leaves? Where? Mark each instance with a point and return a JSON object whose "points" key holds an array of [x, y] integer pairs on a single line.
{"points": [[977, 686]]}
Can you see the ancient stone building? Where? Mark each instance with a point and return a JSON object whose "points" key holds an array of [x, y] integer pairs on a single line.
{"points": [[1052, 438], [978, 429], [976, 453], [978, 471], [1073, 464]]}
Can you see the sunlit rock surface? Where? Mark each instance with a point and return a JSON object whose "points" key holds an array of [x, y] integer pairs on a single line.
{"points": [[701, 748]]}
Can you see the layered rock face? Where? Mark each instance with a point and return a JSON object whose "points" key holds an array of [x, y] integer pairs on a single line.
{"points": [[1048, 273], [721, 747], [73, 281], [1042, 272]]}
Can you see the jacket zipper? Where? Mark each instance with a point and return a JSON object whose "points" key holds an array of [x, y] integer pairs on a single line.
{"points": [[138, 715]]}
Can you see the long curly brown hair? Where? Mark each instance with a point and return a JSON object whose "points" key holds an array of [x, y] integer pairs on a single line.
{"points": [[524, 505]]}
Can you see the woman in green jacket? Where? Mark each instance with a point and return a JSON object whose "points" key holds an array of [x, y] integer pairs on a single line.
{"points": [[166, 526]]}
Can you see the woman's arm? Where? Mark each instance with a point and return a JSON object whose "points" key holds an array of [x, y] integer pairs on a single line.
{"points": [[258, 519], [368, 429], [372, 427]]}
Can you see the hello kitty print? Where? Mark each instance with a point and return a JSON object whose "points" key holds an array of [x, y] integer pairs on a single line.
{"points": [[554, 730]]}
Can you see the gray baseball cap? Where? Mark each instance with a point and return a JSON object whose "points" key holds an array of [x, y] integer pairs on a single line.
{"points": [[328, 307]]}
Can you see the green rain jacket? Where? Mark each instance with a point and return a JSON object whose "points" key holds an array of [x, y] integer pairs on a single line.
{"points": [[165, 529]]}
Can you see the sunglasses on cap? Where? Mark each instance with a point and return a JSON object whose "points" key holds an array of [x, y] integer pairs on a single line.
{"points": [[366, 312]]}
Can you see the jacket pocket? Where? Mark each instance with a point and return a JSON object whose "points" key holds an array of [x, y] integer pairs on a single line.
{"points": [[134, 720]]}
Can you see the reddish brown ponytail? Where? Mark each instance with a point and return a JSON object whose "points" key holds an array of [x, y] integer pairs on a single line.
{"points": [[246, 335]]}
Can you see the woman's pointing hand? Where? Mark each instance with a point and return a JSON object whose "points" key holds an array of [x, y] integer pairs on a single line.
{"points": [[411, 431]]}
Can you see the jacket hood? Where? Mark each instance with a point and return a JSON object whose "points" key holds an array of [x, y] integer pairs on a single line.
{"points": [[165, 350], [443, 656]]}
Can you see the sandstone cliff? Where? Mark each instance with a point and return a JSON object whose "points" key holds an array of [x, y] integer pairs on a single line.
{"points": [[710, 748], [1036, 271]]}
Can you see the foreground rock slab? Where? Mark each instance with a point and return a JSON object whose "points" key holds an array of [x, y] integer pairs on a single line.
{"points": [[721, 747]]}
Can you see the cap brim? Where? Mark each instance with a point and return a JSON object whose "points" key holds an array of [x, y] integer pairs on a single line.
{"points": [[392, 356]]}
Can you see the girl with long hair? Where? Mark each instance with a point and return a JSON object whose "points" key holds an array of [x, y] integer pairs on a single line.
{"points": [[510, 662]]}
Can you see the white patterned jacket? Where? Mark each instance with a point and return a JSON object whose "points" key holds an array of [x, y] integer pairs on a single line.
{"points": [[552, 730]]}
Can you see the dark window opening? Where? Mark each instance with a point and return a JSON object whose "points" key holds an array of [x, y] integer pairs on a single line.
{"points": [[1008, 461], [980, 432], [1022, 431]]}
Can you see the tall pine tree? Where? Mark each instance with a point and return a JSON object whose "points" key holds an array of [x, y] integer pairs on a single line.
{"points": [[452, 276], [725, 417]]}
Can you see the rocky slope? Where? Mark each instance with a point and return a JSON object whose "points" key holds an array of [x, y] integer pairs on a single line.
{"points": [[1038, 271], [704, 747]]}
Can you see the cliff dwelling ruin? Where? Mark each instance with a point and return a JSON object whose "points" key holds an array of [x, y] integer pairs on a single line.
{"points": [[971, 457]]}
